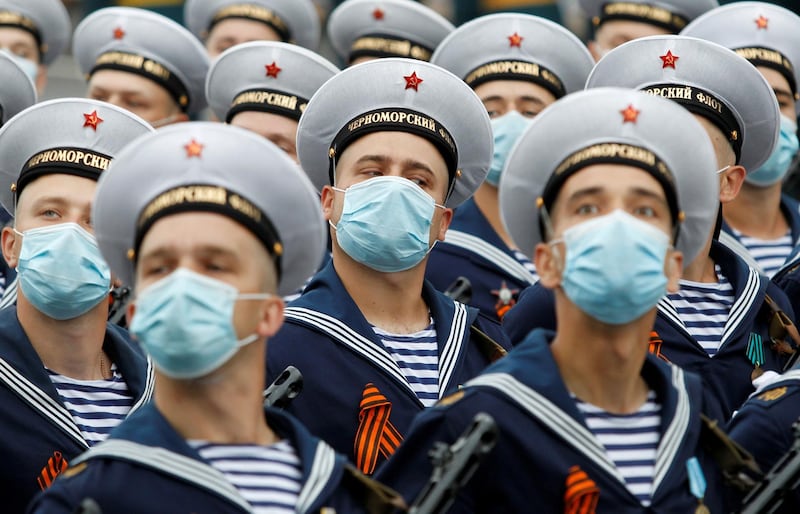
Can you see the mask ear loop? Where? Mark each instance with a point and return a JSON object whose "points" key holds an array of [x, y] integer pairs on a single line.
{"points": [[549, 234]]}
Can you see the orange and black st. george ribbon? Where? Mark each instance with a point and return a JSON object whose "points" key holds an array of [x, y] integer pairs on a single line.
{"points": [[655, 345], [376, 435], [582, 493], [56, 465]]}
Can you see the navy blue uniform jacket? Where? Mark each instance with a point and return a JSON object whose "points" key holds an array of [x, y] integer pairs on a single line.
{"points": [[39, 433], [727, 375], [542, 435], [328, 339], [146, 466]]}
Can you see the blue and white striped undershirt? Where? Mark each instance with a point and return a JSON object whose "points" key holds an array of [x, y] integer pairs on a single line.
{"points": [[770, 254], [704, 309], [526, 262], [631, 442], [97, 406], [417, 355], [268, 477]]}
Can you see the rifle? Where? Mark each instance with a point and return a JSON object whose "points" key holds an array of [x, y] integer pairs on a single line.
{"points": [[460, 290], [454, 465], [768, 495], [284, 389]]}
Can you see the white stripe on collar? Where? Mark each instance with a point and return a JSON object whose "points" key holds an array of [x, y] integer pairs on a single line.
{"points": [[742, 305], [491, 253], [40, 401], [453, 347], [149, 385], [10, 294], [673, 437], [168, 462], [318, 478]]}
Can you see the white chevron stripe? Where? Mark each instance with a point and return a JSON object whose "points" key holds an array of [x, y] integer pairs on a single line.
{"points": [[491, 253]]}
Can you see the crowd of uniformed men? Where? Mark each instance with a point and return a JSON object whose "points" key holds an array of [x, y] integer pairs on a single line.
{"points": [[589, 242]]}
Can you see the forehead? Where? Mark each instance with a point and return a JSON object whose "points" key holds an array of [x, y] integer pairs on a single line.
{"points": [[396, 147], [620, 31], [514, 90], [68, 188], [266, 123], [123, 82], [14, 36], [243, 30], [613, 180]]}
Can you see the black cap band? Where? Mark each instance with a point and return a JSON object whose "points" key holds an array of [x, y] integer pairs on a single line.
{"points": [[516, 70], [384, 45], [390, 119], [19, 21], [760, 56], [147, 68], [267, 100], [254, 13], [612, 153], [211, 198], [62, 160], [645, 13], [701, 102]]}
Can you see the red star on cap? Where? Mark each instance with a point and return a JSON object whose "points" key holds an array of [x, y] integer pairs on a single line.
{"points": [[92, 120], [630, 114], [515, 40], [412, 81], [669, 60], [377, 14], [194, 149], [119, 33], [273, 70], [762, 23]]}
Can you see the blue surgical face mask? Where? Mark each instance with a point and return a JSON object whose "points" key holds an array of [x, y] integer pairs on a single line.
{"points": [[61, 271], [185, 322], [773, 171], [30, 68], [506, 131], [386, 223], [614, 267]]}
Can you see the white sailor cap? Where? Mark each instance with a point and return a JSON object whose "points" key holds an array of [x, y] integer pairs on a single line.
{"points": [[671, 15], [764, 34], [73, 136], [47, 20], [618, 126], [510, 46], [210, 167], [405, 95], [707, 79], [266, 76], [295, 21], [386, 28], [147, 44], [18, 91]]}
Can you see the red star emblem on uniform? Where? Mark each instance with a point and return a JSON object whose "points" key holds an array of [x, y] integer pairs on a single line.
{"points": [[273, 70], [515, 40], [630, 114], [412, 81], [377, 14], [194, 149], [119, 33], [762, 23], [669, 60], [92, 120]]}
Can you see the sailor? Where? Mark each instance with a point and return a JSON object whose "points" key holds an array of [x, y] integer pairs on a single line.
{"points": [[221, 24], [206, 302], [719, 324], [142, 61], [363, 30], [394, 145], [67, 377], [35, 34], [264, 86], [766, 222], [517, 64], [588, 421], [617, 22]]}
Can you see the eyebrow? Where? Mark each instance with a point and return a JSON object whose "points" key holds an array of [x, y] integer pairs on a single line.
{"points": [[635, 191], [533, 99], [783, 92], [493, 98]]}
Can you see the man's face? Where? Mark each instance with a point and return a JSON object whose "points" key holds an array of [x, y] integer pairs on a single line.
{"points": [[234, 31], [281, 130], [398, 154], [49, 200], [501, 96], [22, 44], [786, 101], [613, 33], [132, 92], [212, 245]]}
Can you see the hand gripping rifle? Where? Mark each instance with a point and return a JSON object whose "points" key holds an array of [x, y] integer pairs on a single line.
{"points": [[454, 465], [284, 389]]}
